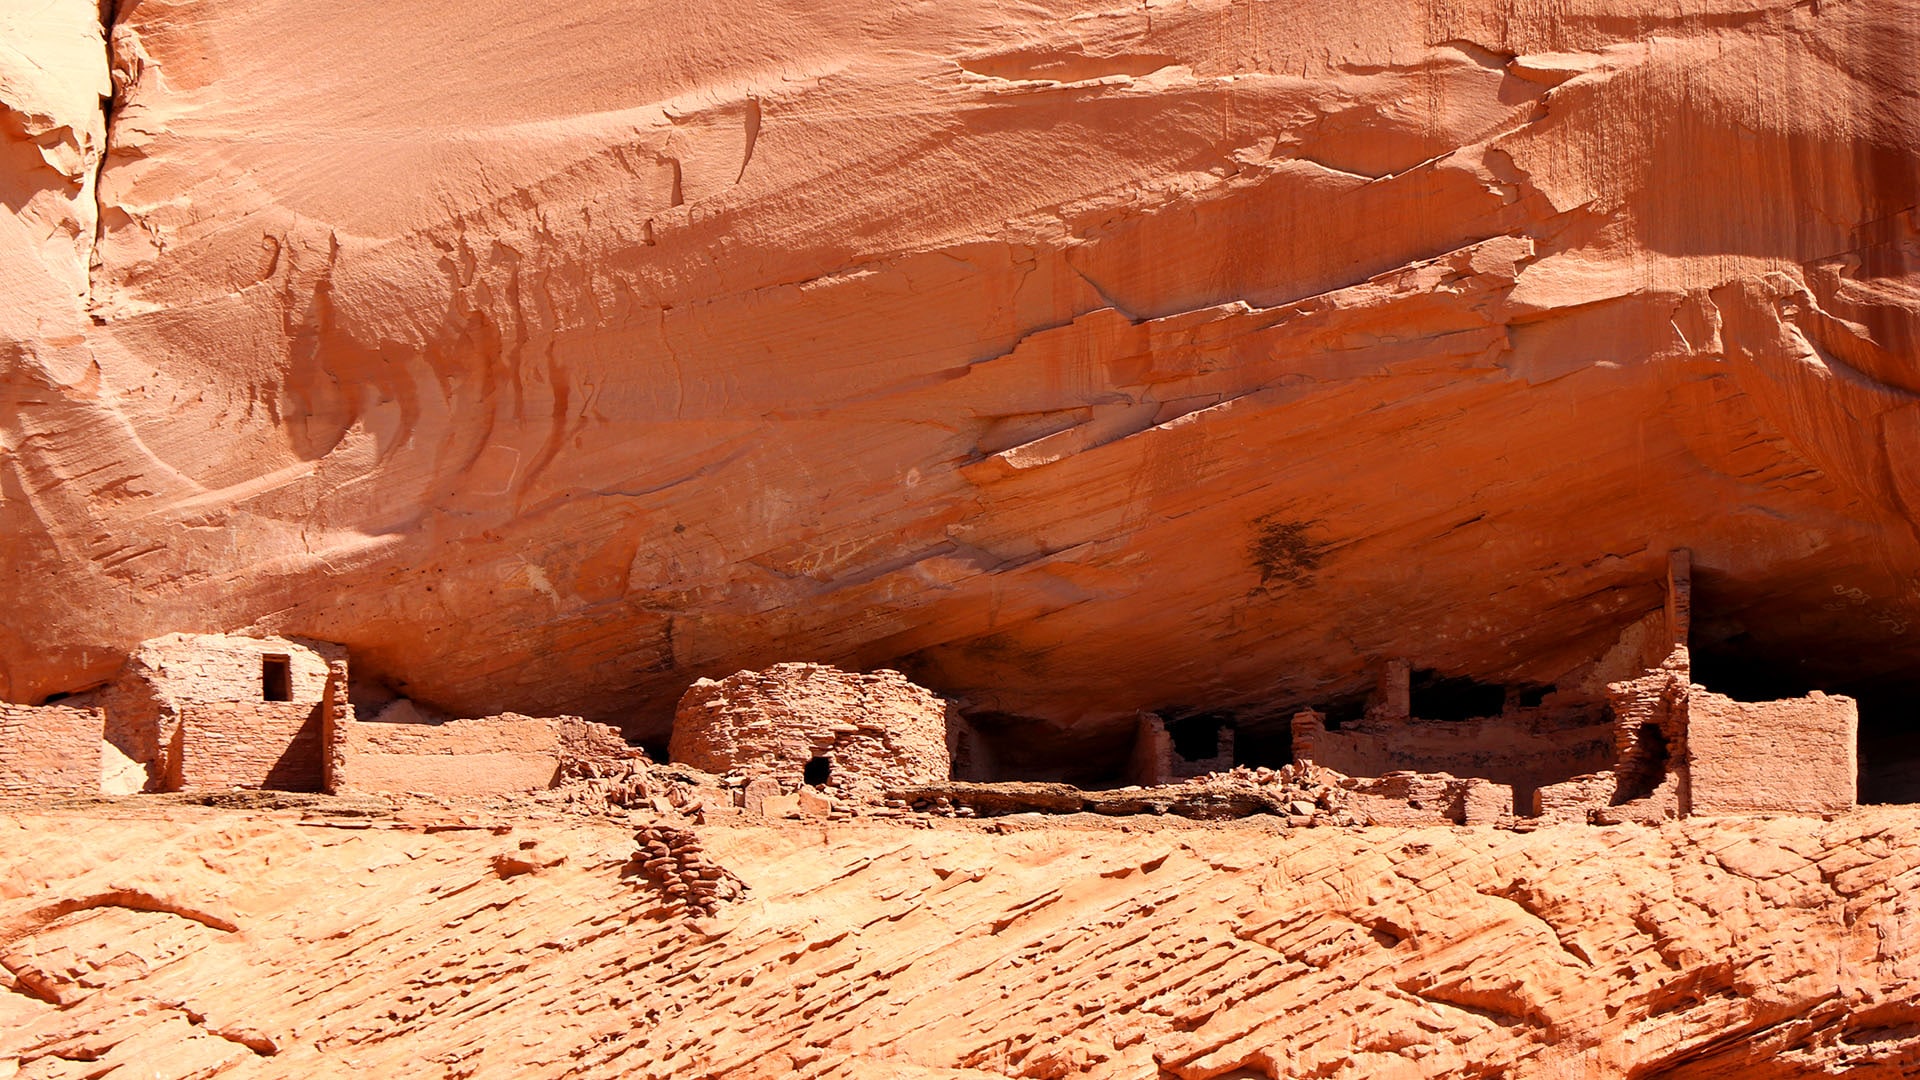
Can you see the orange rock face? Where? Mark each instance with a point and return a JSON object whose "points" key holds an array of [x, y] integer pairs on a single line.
{"points": [[1074, 358], [521, 944]]}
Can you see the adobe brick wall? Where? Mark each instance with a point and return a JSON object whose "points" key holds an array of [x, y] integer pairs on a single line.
{"points": [[487, 756], [251, 744], [1798, 755], [878, 730], [49, 750]]}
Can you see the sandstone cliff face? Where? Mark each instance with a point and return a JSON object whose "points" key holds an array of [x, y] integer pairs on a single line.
{"points": [[517, 944], [1073, 357]]}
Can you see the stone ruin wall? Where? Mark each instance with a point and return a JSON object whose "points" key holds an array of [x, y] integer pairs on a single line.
{"points": [[877, 730], [190, 669], [1670, 748], [1156, 760], [186, 713], [1415, 798], [1797, 755], [49, 750], [247, 744], [1522, 751], [168, 676], [486, 756]]}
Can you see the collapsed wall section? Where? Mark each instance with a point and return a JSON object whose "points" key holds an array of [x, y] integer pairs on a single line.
{"points": [[1165, 752], [1524, 751]]}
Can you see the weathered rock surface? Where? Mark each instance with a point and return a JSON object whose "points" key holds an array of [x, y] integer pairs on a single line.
{"points": [[164, 939], [1075, 357]]}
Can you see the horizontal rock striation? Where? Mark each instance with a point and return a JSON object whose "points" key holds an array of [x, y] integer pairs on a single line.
{"points": [[229, 942]]}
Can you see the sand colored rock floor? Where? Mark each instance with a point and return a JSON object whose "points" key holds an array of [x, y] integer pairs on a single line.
{"points": [[318, 937]]}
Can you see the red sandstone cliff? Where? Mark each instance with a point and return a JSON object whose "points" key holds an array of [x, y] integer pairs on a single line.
{"points": [[1074, 357]]}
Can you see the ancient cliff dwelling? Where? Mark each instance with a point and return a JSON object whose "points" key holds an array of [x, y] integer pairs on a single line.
{"points": [[1070, 539]]}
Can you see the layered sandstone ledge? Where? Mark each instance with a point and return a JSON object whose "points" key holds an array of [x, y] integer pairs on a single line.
{"points": [[336, 937]]}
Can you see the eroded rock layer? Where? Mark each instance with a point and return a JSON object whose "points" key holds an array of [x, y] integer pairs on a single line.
{"points": [[1074, 357], [514, 942]]}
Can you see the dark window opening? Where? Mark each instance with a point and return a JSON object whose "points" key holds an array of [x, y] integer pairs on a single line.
{"points": [[817, 771], [1011, 747], [276, 678], [1263, 747], [1532, 697], [1344, 712], [1732, 668], [1435, 697], [1197, 738], [61, 696], [1889, 734]]}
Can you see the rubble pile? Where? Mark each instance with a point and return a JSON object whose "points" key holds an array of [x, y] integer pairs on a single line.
{"points": [[639, 784], [1304, 794], [673, 859]]}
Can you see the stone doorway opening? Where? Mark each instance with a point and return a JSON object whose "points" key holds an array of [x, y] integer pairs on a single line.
{"points": [[816, 771], [1889, 743]]}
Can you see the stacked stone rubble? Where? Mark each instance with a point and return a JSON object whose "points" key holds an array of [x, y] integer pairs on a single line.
{"points": [[674, 861]]}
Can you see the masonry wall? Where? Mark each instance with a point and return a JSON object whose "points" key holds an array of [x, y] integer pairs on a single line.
{"points": [[1157, 760], [252, 744], [169, 674], [1524, 750], [195, 669], [875, 730], [1798, 755], [49, 750], [487, 756]]}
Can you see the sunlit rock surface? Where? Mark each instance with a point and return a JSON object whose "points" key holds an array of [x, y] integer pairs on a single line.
{"points": [[424, 940], [1072, 358]]}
